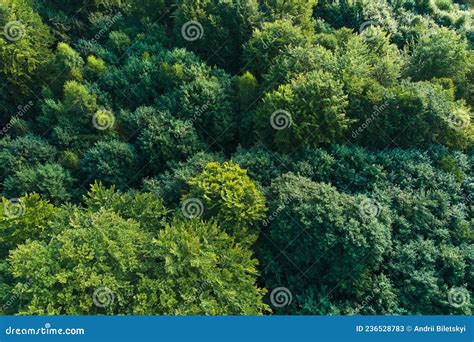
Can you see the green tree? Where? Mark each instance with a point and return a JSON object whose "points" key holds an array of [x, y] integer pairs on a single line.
{"points": [[310, 110], [96, 255], [50, 180], [247, 87], [24, 52], [206, 103], [229, 195], [22, 152], [68, 64], [25, 219], [111, 161], [144, 207], [171, 184], [216, 30], [416, 263], [298, 11], [439, 53], [262, 164], [418, 114], [76, 120], [163, 139], [315, 237], [199, 269], [95, 67], [297, 60], [100, 263], [269, 41]]}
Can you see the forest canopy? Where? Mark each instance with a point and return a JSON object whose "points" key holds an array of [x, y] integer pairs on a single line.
{"points": [[236, 157]]}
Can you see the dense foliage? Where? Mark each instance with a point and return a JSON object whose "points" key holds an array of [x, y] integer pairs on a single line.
{"points": [[236, 157]]}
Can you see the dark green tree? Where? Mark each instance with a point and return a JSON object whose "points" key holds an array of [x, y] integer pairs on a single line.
{"points": [[315, 237], [113, 162], [50, 180]]}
